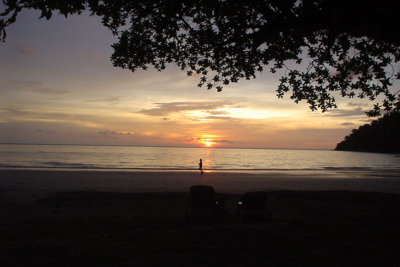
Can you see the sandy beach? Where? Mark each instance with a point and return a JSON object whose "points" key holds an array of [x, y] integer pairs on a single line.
{"points": [[31, 184], [122, 218]]}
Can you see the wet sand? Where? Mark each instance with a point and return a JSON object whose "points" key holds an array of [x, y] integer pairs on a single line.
{"points": [[108, 218], [31, 184]]}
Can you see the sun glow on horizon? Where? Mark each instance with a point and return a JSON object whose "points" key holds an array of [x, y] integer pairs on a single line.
{"points": [[58, 103], [207, 140]]}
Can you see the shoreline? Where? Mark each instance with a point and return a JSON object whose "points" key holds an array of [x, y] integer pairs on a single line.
{"points": [[22, 185], [249, 171]]}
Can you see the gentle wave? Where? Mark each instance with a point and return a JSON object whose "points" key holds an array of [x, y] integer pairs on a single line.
{"points": [[57, 164], [91, 167], [350, 168]]}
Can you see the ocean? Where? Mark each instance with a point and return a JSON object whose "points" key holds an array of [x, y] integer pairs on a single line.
{"points": [[174, 158]]}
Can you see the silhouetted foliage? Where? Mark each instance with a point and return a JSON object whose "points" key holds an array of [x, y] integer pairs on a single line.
{"points": [[349, 47], [382, 135]]}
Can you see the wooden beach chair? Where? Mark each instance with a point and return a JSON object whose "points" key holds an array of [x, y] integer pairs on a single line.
{"points": [[204, 207], [253, 207]]}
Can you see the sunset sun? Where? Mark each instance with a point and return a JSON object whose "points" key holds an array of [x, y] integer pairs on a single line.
{"points": [[208, 144]]}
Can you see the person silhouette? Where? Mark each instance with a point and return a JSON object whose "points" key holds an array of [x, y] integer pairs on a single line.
{"points": [[201, 166]]}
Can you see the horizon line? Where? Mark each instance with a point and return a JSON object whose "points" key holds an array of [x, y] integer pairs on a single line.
{"points": [[171, 146]]}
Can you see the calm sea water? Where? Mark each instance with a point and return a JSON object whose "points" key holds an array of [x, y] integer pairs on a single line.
{"points": [[127, 157]]}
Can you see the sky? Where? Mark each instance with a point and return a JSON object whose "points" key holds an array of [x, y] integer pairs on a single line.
{"points": [[58, 86]]}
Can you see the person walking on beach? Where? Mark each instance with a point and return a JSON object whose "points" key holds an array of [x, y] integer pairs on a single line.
{"points": [[201, 166]]}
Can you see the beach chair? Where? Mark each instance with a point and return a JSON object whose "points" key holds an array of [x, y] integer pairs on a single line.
{"points": [[204, 207], [253, 207]]}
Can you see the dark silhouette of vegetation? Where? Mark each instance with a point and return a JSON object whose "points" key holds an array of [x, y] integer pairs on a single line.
{"points": [[324, 48], [382, 135]]}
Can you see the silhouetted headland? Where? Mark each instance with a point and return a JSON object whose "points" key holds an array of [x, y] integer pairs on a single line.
{"points": [[380, 135]]}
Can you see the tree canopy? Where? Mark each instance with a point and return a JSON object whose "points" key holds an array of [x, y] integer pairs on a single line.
{"points": [[380, 135], [323, 48]]}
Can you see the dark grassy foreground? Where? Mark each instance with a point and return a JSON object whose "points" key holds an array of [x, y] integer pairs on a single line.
{"points": [[147, 229]]}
